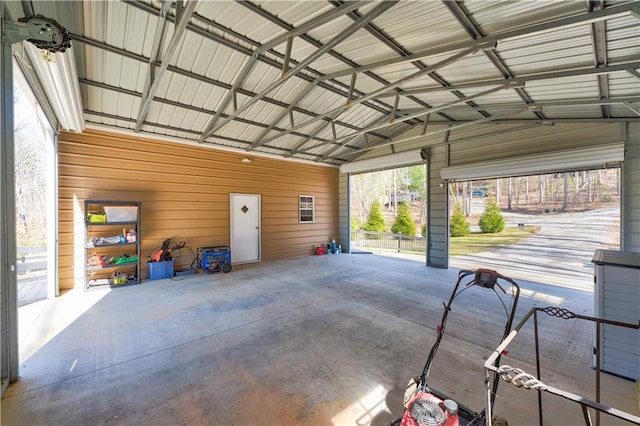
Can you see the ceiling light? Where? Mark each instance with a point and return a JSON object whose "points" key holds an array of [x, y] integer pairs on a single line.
{"points": [[246, 160]]}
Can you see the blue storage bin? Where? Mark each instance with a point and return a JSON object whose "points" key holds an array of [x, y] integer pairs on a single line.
{"points": [[160, 270]]}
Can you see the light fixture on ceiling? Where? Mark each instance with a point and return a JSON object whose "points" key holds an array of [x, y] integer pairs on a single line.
{"points": [[246, 160], [59, 79]]}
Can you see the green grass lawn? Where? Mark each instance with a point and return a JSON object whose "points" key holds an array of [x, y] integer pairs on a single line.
{"points": [[477, 241]]}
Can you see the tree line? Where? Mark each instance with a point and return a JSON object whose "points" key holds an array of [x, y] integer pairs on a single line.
{"points": [[400, 195]]}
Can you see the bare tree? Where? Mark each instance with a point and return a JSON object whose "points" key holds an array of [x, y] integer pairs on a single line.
{"points": [[30, 174]]}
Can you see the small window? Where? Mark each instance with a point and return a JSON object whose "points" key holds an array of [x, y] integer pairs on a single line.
{"points": [[307, 207]]}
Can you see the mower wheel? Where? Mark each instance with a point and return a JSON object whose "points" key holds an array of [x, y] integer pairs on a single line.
{"points": [[226, 268], [395, 422]]}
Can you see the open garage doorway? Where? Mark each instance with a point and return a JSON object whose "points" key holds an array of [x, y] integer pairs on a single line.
{"points": [[554, 222], [561, 219], [35, 203]]}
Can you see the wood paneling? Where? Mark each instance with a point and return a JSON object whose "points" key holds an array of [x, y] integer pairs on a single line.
{"points": [[184, 191]]}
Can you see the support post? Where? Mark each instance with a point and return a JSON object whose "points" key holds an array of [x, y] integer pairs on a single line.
{"points": [[8, 278]]}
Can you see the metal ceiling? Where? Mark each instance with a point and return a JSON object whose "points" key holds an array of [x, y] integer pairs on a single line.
{"points": [[327, 81]]}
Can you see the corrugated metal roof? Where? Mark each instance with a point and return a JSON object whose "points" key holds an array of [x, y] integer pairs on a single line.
{"points": [[552, 47]]}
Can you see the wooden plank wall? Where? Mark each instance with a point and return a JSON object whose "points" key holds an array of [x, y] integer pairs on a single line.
{"points": [[184, 191]]}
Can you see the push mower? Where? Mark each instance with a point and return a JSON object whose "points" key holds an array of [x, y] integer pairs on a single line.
{"points": [[427, 406]]}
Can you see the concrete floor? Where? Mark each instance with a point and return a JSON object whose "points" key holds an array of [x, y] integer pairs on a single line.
{"points": [[319, 340]]}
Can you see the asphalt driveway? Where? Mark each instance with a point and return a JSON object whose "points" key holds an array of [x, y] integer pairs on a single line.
{"points": [[559, 254]]}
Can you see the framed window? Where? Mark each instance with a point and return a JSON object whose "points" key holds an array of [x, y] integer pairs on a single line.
{"points": [[306, 209]]}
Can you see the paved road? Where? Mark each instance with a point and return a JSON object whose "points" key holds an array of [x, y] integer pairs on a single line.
{"points": [[559, 254]]}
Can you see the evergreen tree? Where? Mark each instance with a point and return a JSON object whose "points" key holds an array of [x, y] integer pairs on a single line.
{"points": [[375, 221], [492, 220], [458, 227], [404, 223]]}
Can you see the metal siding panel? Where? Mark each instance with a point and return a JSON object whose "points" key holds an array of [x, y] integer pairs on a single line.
{"points": [[495, 17], [622, 38], [483, 69], [344, 211], [420, 25], [136, 28], [188, 51], [630, 203], [298, 14], [437, 206], [623, 84], [576, 87], [113, 69], [548, 51], [435, 99], [533, 141]]}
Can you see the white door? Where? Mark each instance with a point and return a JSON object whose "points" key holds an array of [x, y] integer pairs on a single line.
{"points": [[245, 228]]}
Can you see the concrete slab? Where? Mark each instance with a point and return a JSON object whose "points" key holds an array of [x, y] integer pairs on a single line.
{"points": [[313, 341]]}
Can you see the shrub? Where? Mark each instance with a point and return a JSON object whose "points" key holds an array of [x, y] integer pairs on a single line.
{"points": [[375, 221], [404, 223], [458, 227], [424, 230], [492, 220], [354, 223]]}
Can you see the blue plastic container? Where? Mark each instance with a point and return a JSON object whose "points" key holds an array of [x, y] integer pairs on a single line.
{"points": [[160, 270]]}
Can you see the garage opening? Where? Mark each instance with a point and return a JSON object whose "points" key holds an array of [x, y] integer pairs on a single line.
{"points": [[553, 224], [35, 203], [553, 221]]}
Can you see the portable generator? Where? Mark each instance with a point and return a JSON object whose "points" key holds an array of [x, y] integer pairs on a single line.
{"points": [[215, 259]]}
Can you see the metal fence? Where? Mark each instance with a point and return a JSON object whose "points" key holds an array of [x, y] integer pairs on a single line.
{"points": [[387, 241], [32, 259]]}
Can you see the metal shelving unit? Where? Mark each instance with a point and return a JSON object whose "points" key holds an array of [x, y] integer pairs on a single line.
{"points": [[105, 260]]}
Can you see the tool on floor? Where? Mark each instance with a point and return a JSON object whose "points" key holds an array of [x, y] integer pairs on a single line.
{"points": [[214, 259], [427, 406], [163, 254]]}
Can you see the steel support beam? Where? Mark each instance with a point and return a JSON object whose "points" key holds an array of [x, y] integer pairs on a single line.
{"points": [[384, 89], [386, 123], [155, 53], [633, 72], [316, 22], [9, 362], [586, 18], [288, 38], [260, 139], [636, 111], [458, 11], [448, 128], [180, 28], [180, 105], [542, 105], [599, 42], [343, 35], [189, 74], [625, 66]]}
